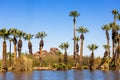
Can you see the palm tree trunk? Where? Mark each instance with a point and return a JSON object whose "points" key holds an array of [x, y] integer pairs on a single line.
{"points": [[15, 53], [40, 55], [10, 55], [91, 61], [74, 56], [108, 43], [4, 64], [81, 51], [113, 48], [115, 19], [65, 57], [19, 48], [41, 51], [30, 47]]}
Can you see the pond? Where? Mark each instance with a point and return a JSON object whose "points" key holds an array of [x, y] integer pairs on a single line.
{"points": [[61, 75]]}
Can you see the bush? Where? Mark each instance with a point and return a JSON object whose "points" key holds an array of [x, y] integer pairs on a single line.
{"points": [[60, 66], [23, 64]]}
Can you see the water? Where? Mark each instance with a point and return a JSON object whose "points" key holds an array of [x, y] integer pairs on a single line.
{"points": [[62, 75]]}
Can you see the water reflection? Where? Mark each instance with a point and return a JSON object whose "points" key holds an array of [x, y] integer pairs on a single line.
{"points": [[61, 75]]}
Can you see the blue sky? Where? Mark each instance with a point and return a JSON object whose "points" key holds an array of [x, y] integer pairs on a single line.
{"points": [[52, 16]]}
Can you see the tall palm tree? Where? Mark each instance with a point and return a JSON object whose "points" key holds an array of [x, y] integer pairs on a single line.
{"points": [[65, 46], [13, 31], [92, 48], [4, 34], [81, 30], [28, 37], [106, 28], [20, 34], [74, 14], [41, 35], [114, 12], [114, 35]]}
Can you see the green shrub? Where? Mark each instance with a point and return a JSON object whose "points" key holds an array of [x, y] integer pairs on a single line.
{"points": [[85, 67], [23, 64], [60, 66]]}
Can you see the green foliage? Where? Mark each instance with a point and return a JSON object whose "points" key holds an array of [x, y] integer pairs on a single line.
{"points": [[85, 67], [106, 27], [49, 60], [106, 46], [60, 66], [41, 35], [28, 36], [114, 12], [85, 60], [74, 14], [4, 33], [64, 45], [92, 47], [82, 30]]}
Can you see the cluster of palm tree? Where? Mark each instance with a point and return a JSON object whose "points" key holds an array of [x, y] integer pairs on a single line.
{"points": [[13, 34], [115, 40], [80, 30]]}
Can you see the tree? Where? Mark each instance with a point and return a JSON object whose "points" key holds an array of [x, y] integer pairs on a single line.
{"points": [[13, 31], [92, 48], [20, 34], [81, 30], [114, 12], [74, 14], [41, 35], [64, 46], [106, 28], [4, 34], [114, 35], [28, 37]]}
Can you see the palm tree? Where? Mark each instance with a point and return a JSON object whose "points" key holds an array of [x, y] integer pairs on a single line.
{"points": [[114, 35], [20, 34], [41, 35], [92, 47], [106, 28], [74, 14], [65, 46], [13, 31], [81, 30], [4, 34], [28, 37], [114, 12]]}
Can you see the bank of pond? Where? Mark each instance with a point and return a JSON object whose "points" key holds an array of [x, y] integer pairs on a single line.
{"points": [[52, 62]]}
